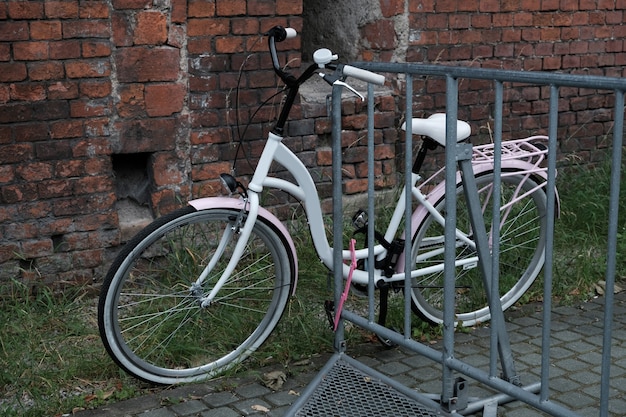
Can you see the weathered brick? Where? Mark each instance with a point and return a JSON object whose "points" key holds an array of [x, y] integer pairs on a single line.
{"points": [[208, 27], [34, 171], [164, 99], [95, 88], [70, 168], [65, 49], [121, 29], [97, 126], [179, 11], [27, 92], [210, 171], [147, 135], [289, 7], [17, 193], [14, 31], [380, 34], [36, 248], [45, 70], [46, 29], [245, 26], [93, 68], [137, 64], [230, 7], [55, 150], [11, 72], [261, 7], [7, 174], [201, 8], [391, 8], [11, 113], [61, 9], [176, 36], [63, 90], [64, 129], [30, 51], [55, 188], [131, 101], [229, 44], [5, 52], [93, 10], [93, 49], [86, 28], [90, 108], [78, 205], [131, 4], [25, 10], [93, 184], [31, 131], [151, 28], [165, 169]]}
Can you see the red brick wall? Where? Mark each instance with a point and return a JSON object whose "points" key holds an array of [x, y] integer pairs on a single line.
{"points": [[580, 37], [82, 81]]}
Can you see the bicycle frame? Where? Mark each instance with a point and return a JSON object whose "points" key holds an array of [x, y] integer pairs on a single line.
{"points": [[520, 155], [516, 156]]}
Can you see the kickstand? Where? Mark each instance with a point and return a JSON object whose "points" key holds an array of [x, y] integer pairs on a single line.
{"points": [[383, 294]]}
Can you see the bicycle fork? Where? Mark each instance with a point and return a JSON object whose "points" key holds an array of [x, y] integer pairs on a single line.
{"points": [[247, 216]]}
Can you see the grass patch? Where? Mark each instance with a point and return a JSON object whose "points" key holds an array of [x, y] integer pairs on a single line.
{"points": [[52, 360], [581, 233], [51, 357]]}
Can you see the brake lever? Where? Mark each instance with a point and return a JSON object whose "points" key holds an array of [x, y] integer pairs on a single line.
{"points": [[334, 80], [351, 89]]}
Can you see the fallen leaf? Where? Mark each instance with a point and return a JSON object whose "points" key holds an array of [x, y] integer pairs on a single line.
{"points": [[292, 392], [260, 408], [601, 288], [274, 380]]}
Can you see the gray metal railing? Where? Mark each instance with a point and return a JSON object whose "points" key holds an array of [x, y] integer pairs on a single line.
{"points": [[537, 394]]}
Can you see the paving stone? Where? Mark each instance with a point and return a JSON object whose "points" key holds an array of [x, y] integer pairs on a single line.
{"points": [[220, 412], [247, 407], [281, 398], [189, 407], [393, 368], [574, 400], [574, 370], [252, 390], [219, 399], [571, 364], [159, 412]]}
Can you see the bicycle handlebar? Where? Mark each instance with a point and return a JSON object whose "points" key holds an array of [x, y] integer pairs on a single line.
{"points": [[363, 75], [279, 34]]}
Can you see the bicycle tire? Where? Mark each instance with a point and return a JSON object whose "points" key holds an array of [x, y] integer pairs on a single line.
{"points": [[522, 252], [152, 325]]}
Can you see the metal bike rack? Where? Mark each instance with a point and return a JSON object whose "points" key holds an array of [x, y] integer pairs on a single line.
{"points": [[342, 380]]}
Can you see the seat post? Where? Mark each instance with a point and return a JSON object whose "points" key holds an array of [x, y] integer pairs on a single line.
{"points": [[427, 144]]}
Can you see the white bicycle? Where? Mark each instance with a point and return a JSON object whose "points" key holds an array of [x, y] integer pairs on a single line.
{"points": [[228, 260]]}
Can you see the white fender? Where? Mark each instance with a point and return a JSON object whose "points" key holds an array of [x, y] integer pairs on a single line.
{"points": [[238, 204]]}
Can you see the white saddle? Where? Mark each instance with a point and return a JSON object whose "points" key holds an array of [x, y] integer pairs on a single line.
{"points": [[435, 127]]}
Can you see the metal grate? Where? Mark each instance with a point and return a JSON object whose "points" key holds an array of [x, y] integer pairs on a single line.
{"points": [[347, 391]]}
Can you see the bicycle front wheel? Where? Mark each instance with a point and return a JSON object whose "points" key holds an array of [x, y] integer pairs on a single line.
{"points": [[151, 319], [522, 250]]}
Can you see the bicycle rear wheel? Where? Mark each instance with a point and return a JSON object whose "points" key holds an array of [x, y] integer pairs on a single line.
{"points": [[152, 323], [522, 251]]}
